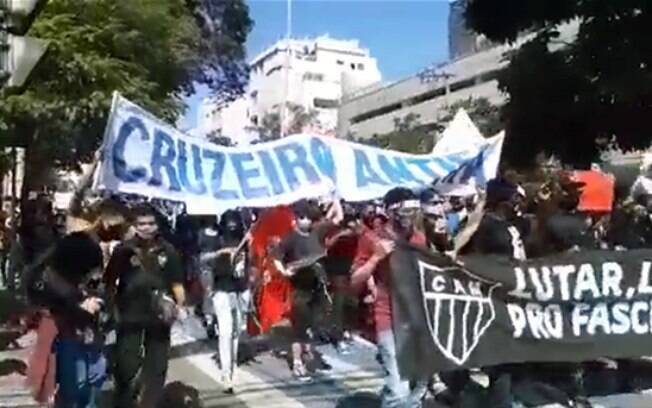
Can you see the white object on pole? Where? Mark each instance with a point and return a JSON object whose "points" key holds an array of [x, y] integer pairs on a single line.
{"points": [[460, 135]]}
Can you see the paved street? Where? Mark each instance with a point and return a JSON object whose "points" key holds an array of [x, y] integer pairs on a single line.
{"points": [[263, 381]]}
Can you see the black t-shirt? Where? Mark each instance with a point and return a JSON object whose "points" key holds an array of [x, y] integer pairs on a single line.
{"points": [[297, 247], [629, 231], [230, 275], [566, 231], [143, 268], [497, 236]]}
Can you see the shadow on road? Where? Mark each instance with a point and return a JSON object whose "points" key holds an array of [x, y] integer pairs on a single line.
{"points": [[359, 400], [11, 366], [180, 395], [12, 308]]}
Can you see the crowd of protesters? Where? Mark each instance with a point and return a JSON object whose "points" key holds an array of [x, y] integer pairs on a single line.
{"points": [[137, 268]]}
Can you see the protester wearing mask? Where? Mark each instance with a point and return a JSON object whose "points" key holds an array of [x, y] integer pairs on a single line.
{"points": [[372, 260], [498, 233], [148, 276], [341, 244], [636, 230], [298, 258], [439, 239], [66, 283], [435, 221], [231, 291], [567, 228]]}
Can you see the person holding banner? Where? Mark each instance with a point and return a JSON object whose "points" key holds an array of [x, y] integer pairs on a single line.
{"points": [[231, 295], [372, 260], [149, 294], [298, 258]]}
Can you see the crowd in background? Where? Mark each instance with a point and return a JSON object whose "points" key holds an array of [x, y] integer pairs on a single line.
{"points": [[143, 265]]}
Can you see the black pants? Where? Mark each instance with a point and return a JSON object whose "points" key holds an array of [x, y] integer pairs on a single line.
{"points": [[141, 365]]}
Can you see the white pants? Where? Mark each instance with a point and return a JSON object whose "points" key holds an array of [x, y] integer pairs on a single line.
{"points": [[230, 309]]}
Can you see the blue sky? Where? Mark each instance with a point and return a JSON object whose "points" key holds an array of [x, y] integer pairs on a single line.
{"points": [[403, 35]]}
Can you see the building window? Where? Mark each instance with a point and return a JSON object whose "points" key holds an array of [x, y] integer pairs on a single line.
{"points": [[340, 62], [352, 66], [311, 76], [361, 66], [325, 103], [254, 120]]}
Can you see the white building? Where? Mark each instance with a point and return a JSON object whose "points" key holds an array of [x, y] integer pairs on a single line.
{"points": [[314, 74]]}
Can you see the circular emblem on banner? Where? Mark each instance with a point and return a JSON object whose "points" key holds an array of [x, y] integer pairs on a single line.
{"points": [[162, 259], [134, 261]]}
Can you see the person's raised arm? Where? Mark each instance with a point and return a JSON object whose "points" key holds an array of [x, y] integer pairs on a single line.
{"points": [[76, 203], [335, 213], [366, 260]]}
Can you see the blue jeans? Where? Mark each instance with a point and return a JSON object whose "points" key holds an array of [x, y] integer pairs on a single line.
{"points": [[81, 371], [397, 392]]}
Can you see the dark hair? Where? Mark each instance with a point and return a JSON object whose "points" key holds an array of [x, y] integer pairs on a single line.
{"points": [[110, 207], [231, 216], [232, 236], [143, 210], [397, 195], [305, 208], [75, 255], [429, 195]]}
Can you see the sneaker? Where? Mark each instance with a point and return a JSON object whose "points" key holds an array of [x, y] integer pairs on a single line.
{"points": [[300, 373], [228, 385]]}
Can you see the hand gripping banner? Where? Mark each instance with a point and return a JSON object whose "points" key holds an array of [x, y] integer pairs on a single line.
{"points": [[143, 155]]}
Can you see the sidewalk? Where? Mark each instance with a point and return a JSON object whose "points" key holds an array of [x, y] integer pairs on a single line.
{"points": [[15, 348]]}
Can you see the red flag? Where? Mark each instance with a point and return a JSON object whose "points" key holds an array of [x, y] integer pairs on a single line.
{"points": [[273, 300], [597, 192]]}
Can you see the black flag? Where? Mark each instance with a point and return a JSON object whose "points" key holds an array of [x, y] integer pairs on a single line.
{"points": [[486, 310]]}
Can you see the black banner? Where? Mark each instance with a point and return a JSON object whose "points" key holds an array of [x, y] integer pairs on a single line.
{"points": [[567, 307]]}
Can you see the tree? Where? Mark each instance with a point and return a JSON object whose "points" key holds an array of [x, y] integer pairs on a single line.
{"points": [[298, 119], [217, 138], [486, 116], [407, 137], [153, 52], [410, 136], [571, 101]]}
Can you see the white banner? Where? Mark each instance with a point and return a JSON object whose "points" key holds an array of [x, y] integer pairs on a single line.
{"points": [[143, 155]]}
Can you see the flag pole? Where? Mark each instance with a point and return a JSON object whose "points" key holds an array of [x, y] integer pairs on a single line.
{"points": [[286, 79]]}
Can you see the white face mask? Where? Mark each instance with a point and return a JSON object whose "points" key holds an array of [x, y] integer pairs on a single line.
{"points": [[304, 223]]}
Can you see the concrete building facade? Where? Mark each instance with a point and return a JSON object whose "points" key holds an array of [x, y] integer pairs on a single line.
{"points": [[311, 73]]}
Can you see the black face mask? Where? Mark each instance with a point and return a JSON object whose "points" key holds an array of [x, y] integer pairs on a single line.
{"points": [[404, 220], [113, 233]]}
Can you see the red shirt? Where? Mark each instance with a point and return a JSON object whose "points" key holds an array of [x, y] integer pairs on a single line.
{"points": [[383, 303]]}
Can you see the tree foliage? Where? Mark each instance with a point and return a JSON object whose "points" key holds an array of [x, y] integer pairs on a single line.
{"points": [[216, 137], [152, 51], [572, 100], [406, 137], [298, 119], [485, 115], [410, 136]]}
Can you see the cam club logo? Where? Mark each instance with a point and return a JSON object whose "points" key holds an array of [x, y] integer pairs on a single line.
{"points": [[458, 308]]}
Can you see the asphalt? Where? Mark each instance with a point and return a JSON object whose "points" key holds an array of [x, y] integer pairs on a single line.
{"points": [[263, 378]]}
